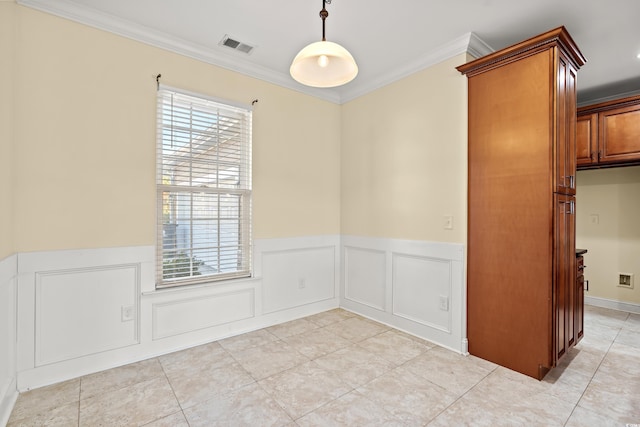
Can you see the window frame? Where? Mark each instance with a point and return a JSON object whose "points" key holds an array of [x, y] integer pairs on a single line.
{"points": [[176, 271]]}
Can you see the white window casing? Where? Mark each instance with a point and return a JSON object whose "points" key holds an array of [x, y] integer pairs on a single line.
{"points": [[203, 183]]}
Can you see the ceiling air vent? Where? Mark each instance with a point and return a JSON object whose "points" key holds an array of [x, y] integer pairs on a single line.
{"points": [[236, 45]]}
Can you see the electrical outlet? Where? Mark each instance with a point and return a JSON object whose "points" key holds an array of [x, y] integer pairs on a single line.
{"points": [[444, 303], [127, 313], [594, 219], [301, 284], [448, 222]]}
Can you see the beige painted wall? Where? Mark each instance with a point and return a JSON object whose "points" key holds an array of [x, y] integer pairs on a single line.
{"points": [[7, 10], [85, 140], [614, 242], [404, 158]]}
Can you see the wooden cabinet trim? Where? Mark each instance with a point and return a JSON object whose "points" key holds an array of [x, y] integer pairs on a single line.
{"points": [[558, 37], [609, 105]]}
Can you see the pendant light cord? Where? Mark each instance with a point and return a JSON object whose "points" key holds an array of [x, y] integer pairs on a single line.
{"points": [[323, 15]]}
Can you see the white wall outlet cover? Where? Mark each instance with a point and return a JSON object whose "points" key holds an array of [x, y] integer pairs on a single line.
{"points": [[127, 313], [444, 303], [448, 222]]}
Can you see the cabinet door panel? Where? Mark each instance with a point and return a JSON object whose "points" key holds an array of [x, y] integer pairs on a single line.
{"points": [[565, 138], [620, 134], [587, 139], [579, 310], [564, 275]]}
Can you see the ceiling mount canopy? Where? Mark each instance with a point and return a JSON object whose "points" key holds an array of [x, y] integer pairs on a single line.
{"points": [[323, 63]]}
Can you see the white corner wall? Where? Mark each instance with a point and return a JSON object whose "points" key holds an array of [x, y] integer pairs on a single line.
{"points": [[71, 311], [8, 391], [403, 171]]}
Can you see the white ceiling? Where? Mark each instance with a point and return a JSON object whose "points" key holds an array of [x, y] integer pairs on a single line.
{"points": [[388, 39]]}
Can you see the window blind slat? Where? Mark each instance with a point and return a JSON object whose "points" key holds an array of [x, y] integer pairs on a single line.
{"points": [[204, 190]]}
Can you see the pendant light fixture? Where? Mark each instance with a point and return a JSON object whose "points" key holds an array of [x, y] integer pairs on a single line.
{"points": [[323, 63]]}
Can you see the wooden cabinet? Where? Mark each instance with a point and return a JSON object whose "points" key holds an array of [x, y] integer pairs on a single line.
{"points": [[587, 139], [521, 204], [608, 134], [579, 312]]}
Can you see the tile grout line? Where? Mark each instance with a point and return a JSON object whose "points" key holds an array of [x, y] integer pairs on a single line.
{"points": [[79, 397], [606, 352], [462, 395], [174, 394], [592, 376]]}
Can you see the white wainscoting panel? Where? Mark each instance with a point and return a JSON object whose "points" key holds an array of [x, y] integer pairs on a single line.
{"points": [[403, 283], [80, 311], [181, 316], [418, 285], [365, 276], [291, 278], [8, 391], [70, 311], [69, 307], [297, 271]]}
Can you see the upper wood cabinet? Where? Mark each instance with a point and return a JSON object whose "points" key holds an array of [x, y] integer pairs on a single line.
{"points": [[608, 134], [587, 139], [565, 126]]}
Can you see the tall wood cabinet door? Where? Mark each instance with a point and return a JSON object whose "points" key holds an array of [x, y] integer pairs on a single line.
{"points": [[579, 311], [565, 138], [619, 129], [587, 139], [564, 291]]}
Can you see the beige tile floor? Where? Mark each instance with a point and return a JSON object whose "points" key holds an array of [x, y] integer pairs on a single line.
{"points": [[339, 369]]}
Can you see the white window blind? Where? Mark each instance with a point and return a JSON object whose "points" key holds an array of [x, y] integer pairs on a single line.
{"points": [[203, 190]]}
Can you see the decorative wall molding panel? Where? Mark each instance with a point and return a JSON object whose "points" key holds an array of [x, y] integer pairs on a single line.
{"points": [[297, 272], [422, 288], [413, 286], [8, 392], [365, 276], [292, 278], [84, 311], [103, 305], [180, 316]]}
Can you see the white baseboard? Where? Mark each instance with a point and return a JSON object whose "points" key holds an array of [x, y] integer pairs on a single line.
{"points": [[8, 399], [612, 304]]}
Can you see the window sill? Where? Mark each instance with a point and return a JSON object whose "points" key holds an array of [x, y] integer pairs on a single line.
{"points": [[199, 286]]}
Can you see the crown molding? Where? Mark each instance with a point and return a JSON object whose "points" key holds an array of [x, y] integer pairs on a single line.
{"points": [[103, 21], [477, 47], [468, 43]]}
